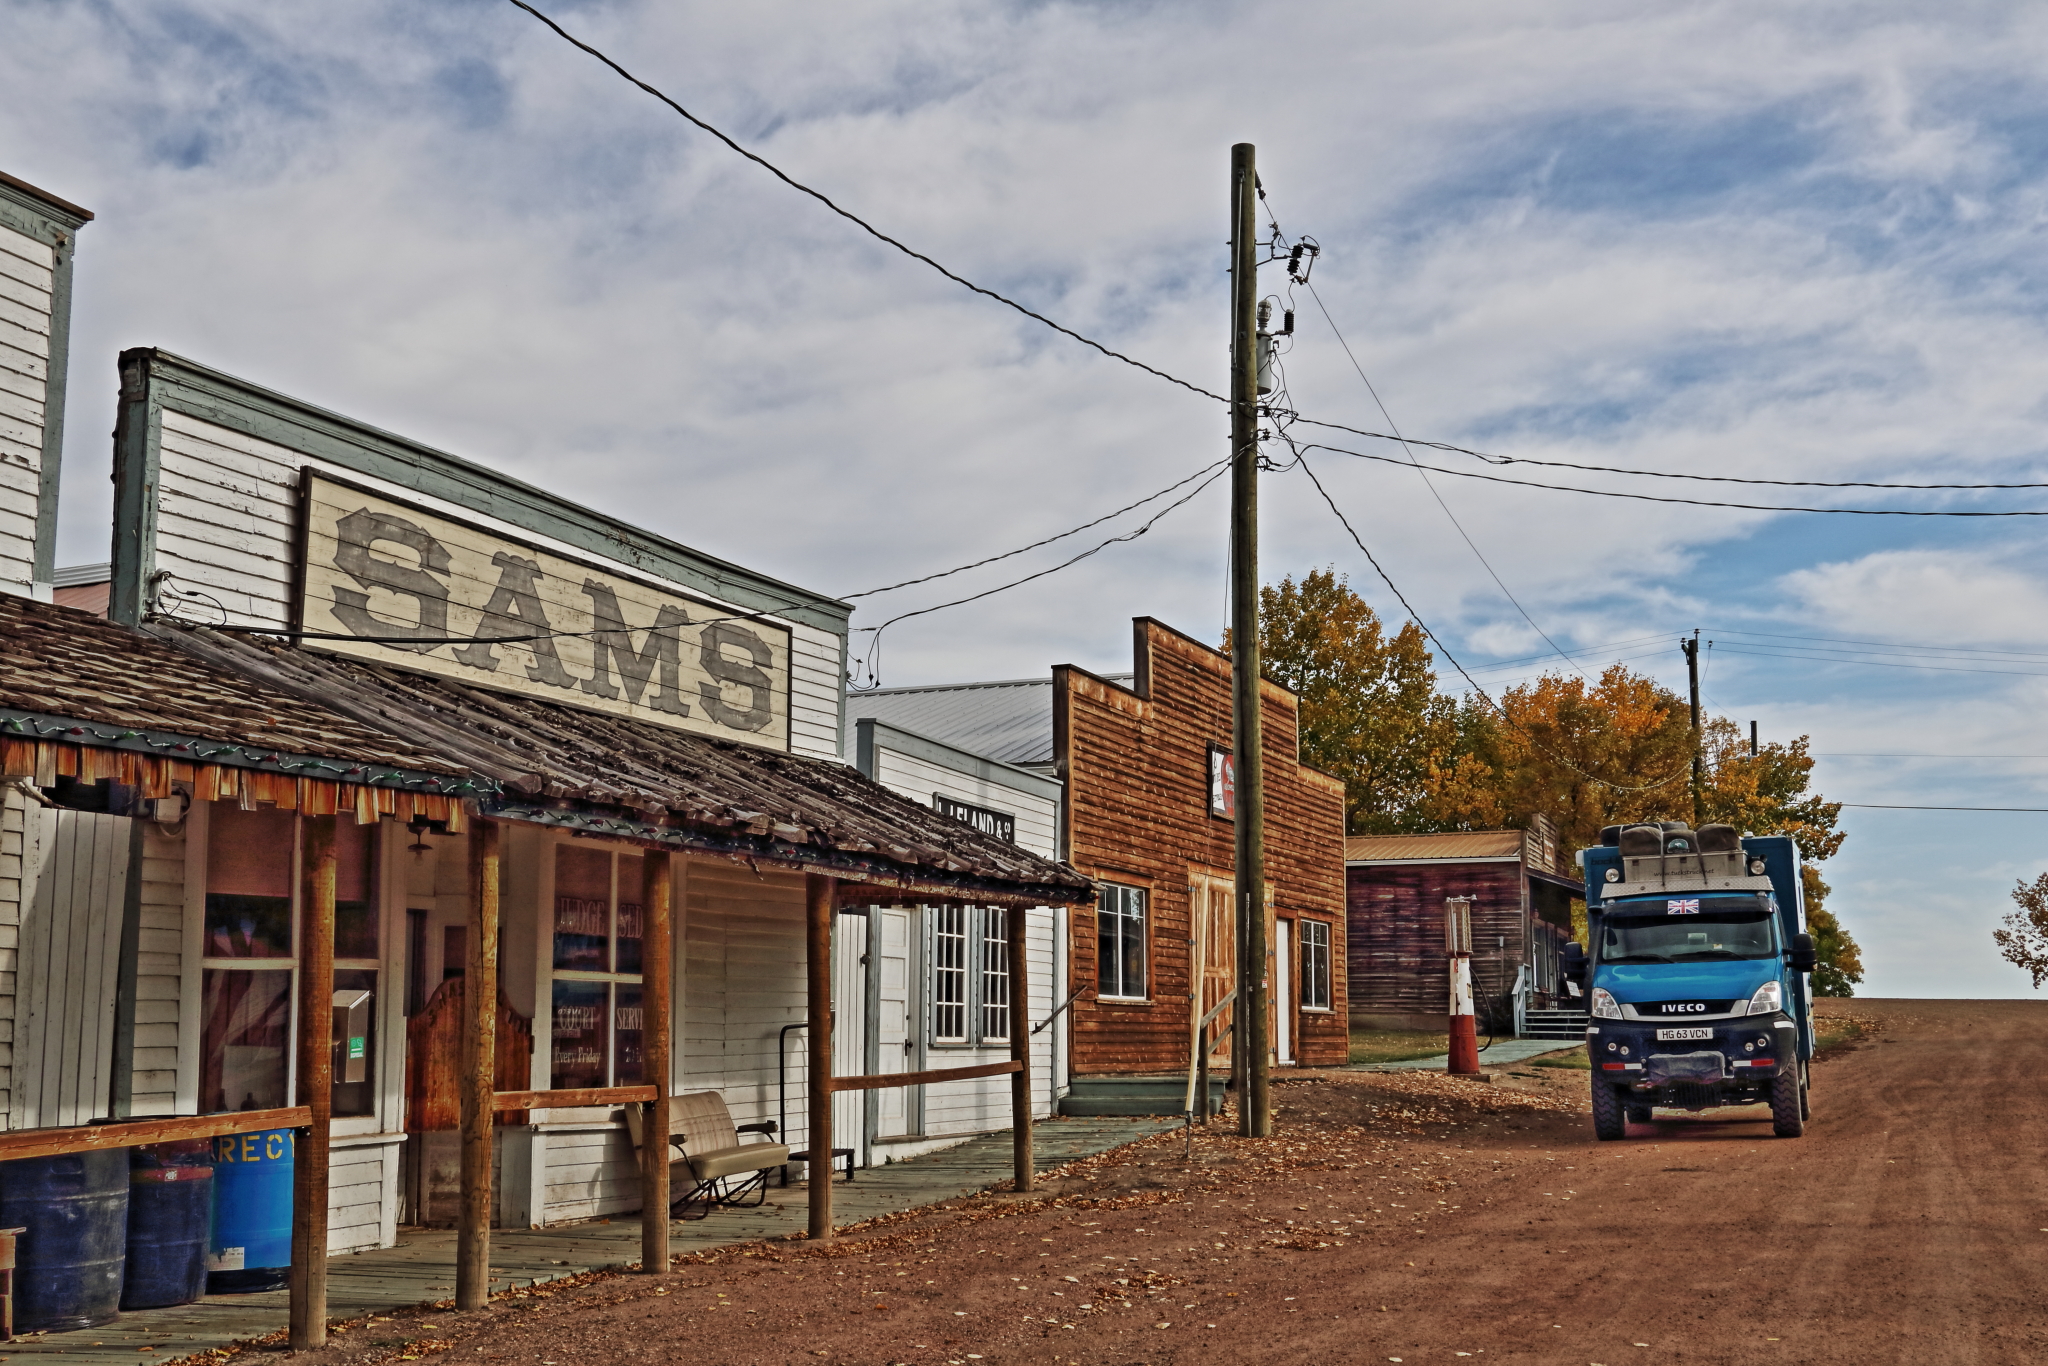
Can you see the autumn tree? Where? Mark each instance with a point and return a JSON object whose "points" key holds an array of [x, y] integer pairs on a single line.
{"points": [[1840, 965], [2024, 940], [1370, 712]]}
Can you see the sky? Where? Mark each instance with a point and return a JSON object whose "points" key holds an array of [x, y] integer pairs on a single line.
{"points": [[1762, 240]]}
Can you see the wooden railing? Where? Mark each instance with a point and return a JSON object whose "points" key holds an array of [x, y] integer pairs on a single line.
{"points": [[89, 1138], [562, 1100], [884, 1080]]}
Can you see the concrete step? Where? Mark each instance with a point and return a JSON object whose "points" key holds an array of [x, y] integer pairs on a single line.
{"points": [[1157, 1095], [1555, 1024]]}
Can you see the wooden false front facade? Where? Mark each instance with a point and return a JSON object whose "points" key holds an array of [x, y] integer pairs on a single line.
{"points": [[1396, 887], [1138, 815]]}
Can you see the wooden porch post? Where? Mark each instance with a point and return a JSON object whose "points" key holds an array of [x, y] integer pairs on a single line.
{"points": [[656, 896], [316, 1085], [1020, 1049], [818, 897], [479, 1069]]}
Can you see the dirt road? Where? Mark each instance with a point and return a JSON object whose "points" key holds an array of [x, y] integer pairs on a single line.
{"points": [[1414, 1219]]}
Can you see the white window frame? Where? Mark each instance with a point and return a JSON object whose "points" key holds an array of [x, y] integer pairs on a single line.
{"points": [[1126, 897], [984, 959], [1316, 967], [612, 978]]}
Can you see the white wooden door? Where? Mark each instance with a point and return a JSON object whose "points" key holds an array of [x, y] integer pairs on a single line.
{"points": [[1283, 990], [76, 863], [895, 1020], [849, 1038]]}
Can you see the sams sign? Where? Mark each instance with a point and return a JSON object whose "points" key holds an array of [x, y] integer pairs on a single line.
{"points": [[418, 590]]}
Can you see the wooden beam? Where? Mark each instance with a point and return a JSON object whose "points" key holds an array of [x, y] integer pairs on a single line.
{"points": [[92, 1138], [308, 1316], [884, 1080], [563, 1100], [656, 910], [479, 1071], [818, 1075], [1020, 1049]]}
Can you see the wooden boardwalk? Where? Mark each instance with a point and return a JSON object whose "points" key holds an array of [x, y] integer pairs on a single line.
{"points": [[421, 1268]]}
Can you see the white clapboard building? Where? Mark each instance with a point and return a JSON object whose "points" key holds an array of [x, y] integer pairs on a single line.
{"points": [[328, 646], [38, 236]]}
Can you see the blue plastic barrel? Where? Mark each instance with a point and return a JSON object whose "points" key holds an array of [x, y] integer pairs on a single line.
{"points": [[170, 1214], [67, 1270], [251, 1245]]}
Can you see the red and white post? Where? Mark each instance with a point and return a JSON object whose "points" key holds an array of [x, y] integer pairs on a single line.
{"points": [[1458, 943]]}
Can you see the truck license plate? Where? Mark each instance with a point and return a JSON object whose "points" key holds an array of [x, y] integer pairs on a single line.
{"points": [[1684, 1035]]}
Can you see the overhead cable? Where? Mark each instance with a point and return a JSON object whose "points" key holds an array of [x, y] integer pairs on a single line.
{"points": [[855, 218], [1416, 617], [1654, 498], [1494, 459]]}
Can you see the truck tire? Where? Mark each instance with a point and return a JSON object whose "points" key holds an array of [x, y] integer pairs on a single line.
{"points": [[1805, 1093], [1788, 1108], [1636, 1114], [1608, 1123]]}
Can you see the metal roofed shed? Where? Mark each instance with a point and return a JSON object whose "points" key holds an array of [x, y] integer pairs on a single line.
{"points": [[1010, 721]]}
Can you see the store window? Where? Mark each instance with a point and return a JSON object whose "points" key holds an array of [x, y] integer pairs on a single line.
{"points": [[970, 975], [250, 963], [1120, 956], [596, 1007], [1315, 964]]}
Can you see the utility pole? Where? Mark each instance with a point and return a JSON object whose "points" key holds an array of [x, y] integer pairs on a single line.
{"points": [[1752, 739], [1692, 673], [1255, 1111]]}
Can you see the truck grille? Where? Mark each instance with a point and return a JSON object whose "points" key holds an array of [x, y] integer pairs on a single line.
{"points": [[1678, 1010]]}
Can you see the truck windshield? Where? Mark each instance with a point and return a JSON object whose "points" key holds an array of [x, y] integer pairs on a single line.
{"points": [[1682, 930]]}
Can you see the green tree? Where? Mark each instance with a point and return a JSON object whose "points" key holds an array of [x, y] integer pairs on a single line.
{"points": [[2024, 940], [1841, 963], [1370, 711]]}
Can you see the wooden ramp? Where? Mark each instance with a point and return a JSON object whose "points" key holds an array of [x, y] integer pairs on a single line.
{"points": [[421, 1268]]}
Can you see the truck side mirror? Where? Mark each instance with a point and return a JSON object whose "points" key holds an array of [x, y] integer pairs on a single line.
{"points": [[1574, 963], [1803, 957]]}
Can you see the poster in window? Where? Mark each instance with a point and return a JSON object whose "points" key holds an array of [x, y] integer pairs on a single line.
{"points": [[1222, 783]]}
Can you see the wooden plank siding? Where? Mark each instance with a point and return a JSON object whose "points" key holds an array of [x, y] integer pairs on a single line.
{"points": [[27, 282], [1136, 761], [1399, 970], [227, 514]]}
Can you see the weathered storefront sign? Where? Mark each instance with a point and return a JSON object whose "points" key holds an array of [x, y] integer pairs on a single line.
{"points": [[389, 581]]}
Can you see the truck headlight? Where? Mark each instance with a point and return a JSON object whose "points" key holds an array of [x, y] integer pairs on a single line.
{"points": [[1604, 1006], [1769, 999]]}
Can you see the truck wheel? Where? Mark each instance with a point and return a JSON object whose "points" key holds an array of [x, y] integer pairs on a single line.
{"points": [[1805, 1093], [1637, 1114], [1788, 1110], [1608, 1123]]}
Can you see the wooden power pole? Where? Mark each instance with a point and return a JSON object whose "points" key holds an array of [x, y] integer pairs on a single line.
{"points": [[1691, 646], [1255, 1103]]}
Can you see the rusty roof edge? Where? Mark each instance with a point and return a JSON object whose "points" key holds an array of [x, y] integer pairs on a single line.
{"points": [[229, 754]]}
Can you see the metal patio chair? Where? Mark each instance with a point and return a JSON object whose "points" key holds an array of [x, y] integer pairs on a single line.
{"points": [[719, 1169]]}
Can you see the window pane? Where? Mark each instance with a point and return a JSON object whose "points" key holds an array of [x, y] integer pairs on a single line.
{"points": [[995, 975], [580, 1025], [628, 1057], [631, 871], [1133, 925], [1120, 930], [583, 893], [355, 1041], [355, 889], [245, 1030], [1109, 960], [249, 883], [949, 974]]}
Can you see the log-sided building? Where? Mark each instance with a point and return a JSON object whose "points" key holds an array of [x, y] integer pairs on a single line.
{"points": [[1522, 884]]}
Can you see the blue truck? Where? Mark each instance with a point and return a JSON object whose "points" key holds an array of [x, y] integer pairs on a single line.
{"points": [[1695, 974]]}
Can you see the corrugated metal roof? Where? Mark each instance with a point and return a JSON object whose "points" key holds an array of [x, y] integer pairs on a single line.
{"points": [[1457, 844], [1009, 720], [551, 761]]}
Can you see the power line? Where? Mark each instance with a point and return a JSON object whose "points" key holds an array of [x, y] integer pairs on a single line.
{"points": [[1380, 403], [1889, 645], [1493, 459], [1653, 498], [1994, 758], [1882, 664], [1416, 617], [1887, 806], [854, 218]]}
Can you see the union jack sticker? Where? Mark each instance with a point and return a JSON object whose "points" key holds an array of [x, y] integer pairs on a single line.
{"points": [[1689, 906]]}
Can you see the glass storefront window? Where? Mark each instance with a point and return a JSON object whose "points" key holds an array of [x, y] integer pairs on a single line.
{"points": [[355, 890], [583, 909], [627, 1058], [355, 1042], [249, 883], [245, 1038], [581, 1020]]}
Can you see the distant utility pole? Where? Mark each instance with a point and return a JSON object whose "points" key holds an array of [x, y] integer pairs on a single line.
{"points": [[1692, 672], [1254, 1102]]}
